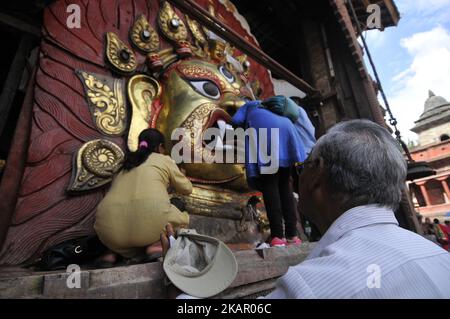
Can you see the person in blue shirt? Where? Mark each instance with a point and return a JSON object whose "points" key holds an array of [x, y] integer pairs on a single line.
{"points": [[277, 142]]}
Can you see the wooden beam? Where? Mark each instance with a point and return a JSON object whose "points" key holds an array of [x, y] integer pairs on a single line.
{"points": [[408, 213], [366, 3], [393, 11], [20, 25], [13, 79], [389, 11]]}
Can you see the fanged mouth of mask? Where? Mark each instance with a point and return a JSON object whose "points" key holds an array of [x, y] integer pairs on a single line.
{"points": [[211, 133], [218, 134]]}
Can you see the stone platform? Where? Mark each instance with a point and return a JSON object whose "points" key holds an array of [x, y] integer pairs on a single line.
{"points": [[257, 273]]}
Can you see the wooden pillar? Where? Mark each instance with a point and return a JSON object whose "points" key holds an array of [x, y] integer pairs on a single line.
{"points": [[406, 215], [319, 71], [13, 79], [423, 189], [15, 164], [443, 181]]}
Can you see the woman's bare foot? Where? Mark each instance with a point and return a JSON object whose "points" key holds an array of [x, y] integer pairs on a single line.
{"points": [[154, 249], [106, 260], [172, 291], [109, 257]]}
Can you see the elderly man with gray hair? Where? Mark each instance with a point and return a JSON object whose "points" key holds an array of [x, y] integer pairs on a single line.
{"points": [[349, 187]]}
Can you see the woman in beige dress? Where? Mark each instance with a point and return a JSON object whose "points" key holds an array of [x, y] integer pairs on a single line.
{"points": [[137, 207]]}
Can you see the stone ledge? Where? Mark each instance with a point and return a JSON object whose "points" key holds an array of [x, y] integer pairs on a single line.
{"points": [[258, 271]]}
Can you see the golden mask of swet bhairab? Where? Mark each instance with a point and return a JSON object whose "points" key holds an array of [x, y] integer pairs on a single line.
{"points": [[192, 94], [197, 94], [194, 82]]}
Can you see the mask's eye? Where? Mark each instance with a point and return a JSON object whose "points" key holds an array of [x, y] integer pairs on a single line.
{"points": [[206, 88], [227, 74]]}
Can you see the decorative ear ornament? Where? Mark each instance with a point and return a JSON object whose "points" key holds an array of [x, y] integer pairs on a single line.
{"points": [[95, 165], [107, 102], [143, 90]]}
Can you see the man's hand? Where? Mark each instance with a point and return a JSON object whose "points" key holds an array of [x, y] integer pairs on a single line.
{"points": [[164, 237], [172, 291]]}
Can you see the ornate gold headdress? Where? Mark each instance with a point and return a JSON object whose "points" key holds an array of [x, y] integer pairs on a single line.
{"points": [[201, 43]]}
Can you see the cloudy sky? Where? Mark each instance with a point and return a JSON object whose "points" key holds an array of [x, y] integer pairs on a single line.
{"points": [[413, 58]]}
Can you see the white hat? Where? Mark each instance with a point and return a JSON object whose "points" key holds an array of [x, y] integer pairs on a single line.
{"points": [[200, 265]]}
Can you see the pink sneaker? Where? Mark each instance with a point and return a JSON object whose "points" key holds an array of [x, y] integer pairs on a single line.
{"points": [[277, 242], [296, 241]]}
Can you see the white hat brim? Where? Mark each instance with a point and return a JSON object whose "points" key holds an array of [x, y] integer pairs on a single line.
{"points": [[216, 279]]}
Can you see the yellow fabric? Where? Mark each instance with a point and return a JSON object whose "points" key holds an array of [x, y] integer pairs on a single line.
{"points": [[137, 207]]}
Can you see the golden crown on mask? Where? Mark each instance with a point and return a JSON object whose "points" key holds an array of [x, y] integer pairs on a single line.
{"points": [[203, 44]]}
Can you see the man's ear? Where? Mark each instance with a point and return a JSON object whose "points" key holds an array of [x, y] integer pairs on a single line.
{"points": [[319, 177]]}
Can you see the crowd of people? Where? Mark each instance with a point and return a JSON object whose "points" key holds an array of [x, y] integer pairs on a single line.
{"points": [[435, 231]]}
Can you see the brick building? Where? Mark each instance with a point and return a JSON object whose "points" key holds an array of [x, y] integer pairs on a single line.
{"points": [[431, 195]]}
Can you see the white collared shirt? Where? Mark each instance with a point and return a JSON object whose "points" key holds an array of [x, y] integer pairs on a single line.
{"points": [[365, 254]]}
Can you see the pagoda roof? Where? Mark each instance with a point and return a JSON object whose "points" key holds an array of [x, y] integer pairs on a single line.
{"points": [[436, 111]]}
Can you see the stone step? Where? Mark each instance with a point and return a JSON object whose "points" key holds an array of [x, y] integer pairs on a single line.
{"points": [[257, 272]]}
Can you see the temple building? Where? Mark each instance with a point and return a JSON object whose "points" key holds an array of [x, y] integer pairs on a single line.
{"points": [[431, 195]]}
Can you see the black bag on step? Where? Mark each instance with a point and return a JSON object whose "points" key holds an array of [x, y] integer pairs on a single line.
{"points": [[76, 251]]}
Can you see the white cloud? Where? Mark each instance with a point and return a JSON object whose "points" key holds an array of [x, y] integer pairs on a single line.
{"points": [[403, 75], [429, 69], [423, 7], [420, 15], [375, 39]]}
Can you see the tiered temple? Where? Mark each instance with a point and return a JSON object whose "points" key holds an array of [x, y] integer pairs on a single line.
{"points": [[431, 195]]}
